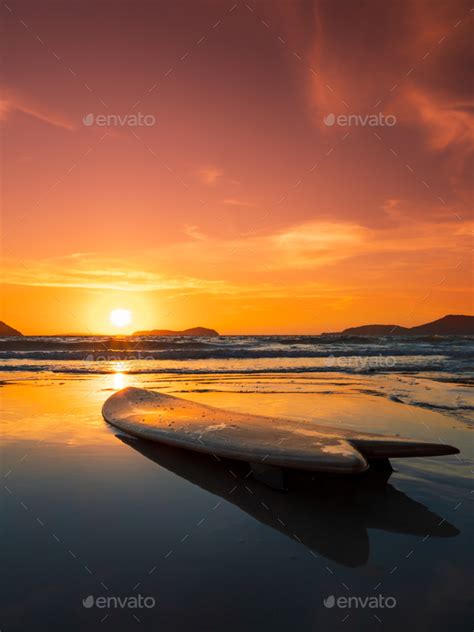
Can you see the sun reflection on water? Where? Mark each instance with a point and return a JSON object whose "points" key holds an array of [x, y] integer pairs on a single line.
{"points": [[119, 381]]}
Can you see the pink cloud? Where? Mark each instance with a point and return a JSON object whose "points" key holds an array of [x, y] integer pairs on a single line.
{"points": [[13, 101]]}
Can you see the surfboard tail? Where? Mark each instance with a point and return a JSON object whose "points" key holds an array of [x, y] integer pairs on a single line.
{"points": [[400, 448]]}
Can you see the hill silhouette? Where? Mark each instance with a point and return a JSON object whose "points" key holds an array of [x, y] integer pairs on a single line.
{"points": [[451, 325], [6, 330]]}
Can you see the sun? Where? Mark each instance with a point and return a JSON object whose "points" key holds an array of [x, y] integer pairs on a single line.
{"points": [[120, 317]]}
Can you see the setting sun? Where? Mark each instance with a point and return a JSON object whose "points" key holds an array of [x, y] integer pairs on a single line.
{"points": [[120, 317]]}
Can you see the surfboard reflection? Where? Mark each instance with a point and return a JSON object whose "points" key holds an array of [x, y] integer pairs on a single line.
{"points": [[329, 515]]}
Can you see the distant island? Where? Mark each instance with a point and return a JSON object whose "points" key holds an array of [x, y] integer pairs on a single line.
{"points": [[6, 330], [451, 325], [194, 331]]}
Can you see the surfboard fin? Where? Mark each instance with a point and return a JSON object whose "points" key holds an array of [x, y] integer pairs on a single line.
{"points": [[380, 465]]}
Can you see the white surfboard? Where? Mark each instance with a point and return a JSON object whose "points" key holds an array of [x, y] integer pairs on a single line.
{"points": [[269, 441]]}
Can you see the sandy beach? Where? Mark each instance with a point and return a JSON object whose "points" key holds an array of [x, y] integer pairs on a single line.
{"points": [[101, 515]]}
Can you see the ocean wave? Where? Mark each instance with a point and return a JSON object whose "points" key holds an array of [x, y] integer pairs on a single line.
{"points": [[339, 357], [101, 354], [96, 344], [97, 369], [207, 351]]}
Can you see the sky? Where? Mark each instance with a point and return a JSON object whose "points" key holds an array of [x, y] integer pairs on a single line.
{"points": [[260, 167]]}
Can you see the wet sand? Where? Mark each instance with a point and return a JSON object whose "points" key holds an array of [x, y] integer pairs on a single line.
{"points": [[91, 513]]}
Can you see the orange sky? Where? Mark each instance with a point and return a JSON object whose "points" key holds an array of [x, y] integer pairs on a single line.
{"points": [[239, 208]]}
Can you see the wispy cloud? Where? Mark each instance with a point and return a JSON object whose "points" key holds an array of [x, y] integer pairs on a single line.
{"points": [[15, 102], [210, 175], [208, 265], [91, 271], [447, 122], [193, 231], [237, 202]]}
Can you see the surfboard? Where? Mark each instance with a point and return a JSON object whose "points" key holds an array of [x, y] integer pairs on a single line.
{"points": [[257, 439]]}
